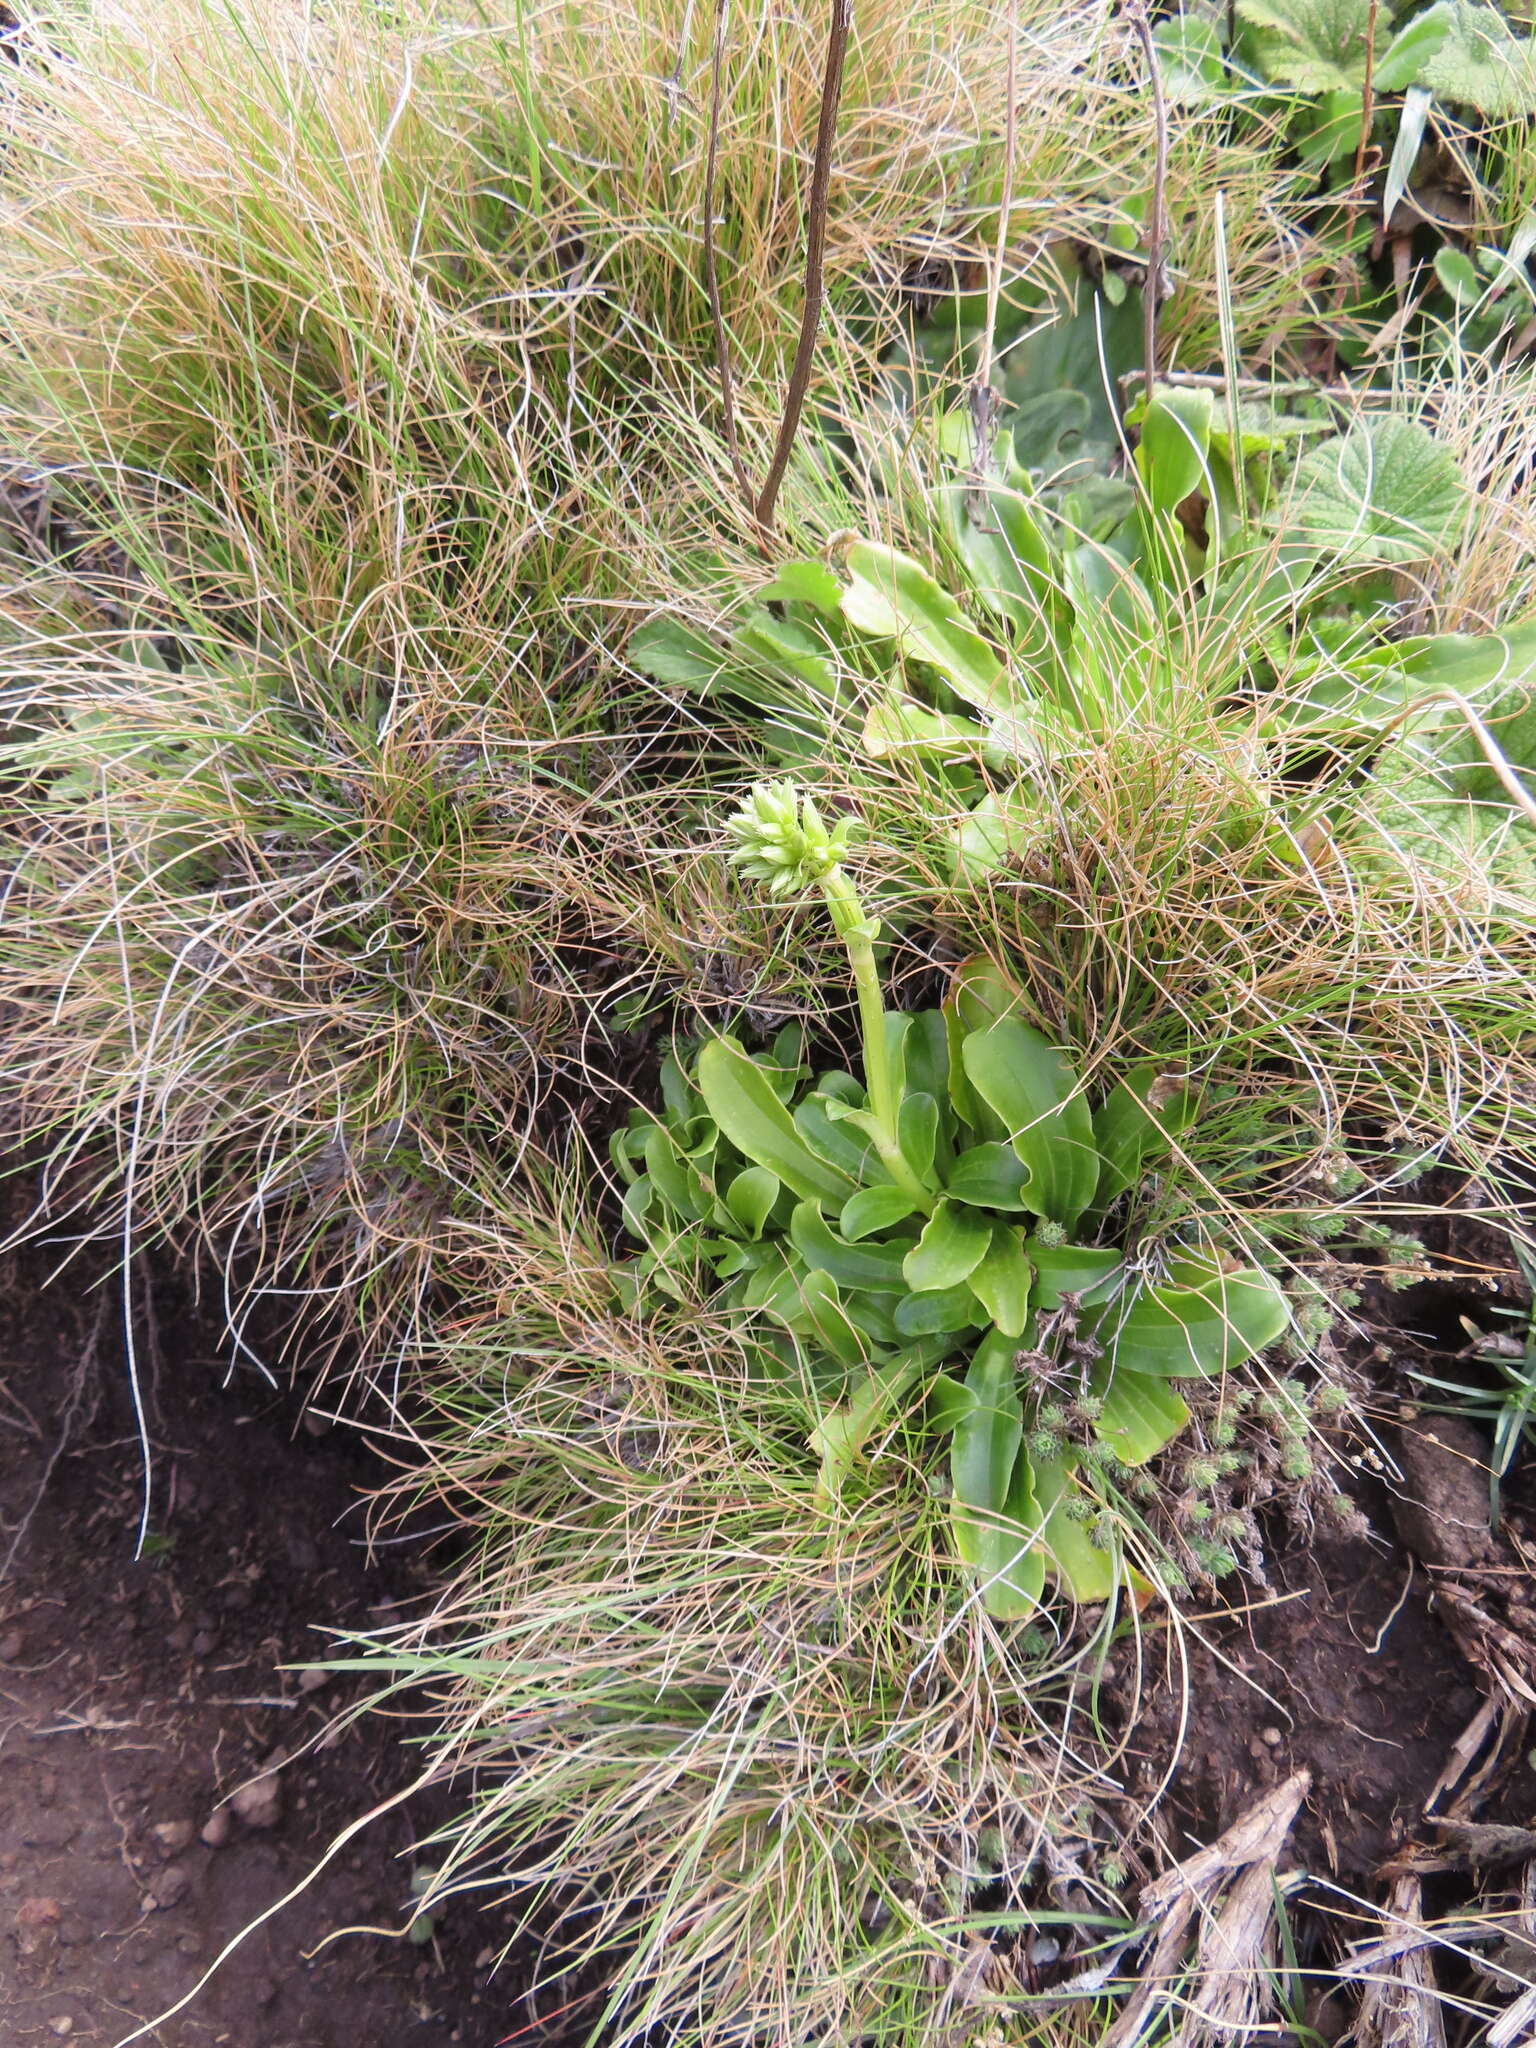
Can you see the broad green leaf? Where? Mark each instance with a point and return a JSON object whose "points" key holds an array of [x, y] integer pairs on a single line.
{"points": [[1001, 1281], [1082, 1570], [989, 1176], [894, 598], [843, 1146], [874, 1316], [877, 1268], [840, 1436], [999, 826], [917, 1133], [680, 1098], [1088, 1271], [873, 1210], [1136, 1122], [938, 1315], [1140, 1417], [1386, 492], [805, 582], [1173, 452], [989, 1433], [1199, 1321], [680, 1188], [670, 652], [1010, 564], [820, 1316], [782, 647], [1034, 1091], [927, 1054], [751, 1196], [742, 1102], [949, 1402], [1002, 1547], [953, 1244], [901, 726], [636, 1206], [993, 1515], [979, 994]]}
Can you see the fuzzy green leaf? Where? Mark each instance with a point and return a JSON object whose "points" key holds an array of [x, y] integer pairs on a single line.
{"points": [[1316, 45], [1385, 492], [1467, 54]]}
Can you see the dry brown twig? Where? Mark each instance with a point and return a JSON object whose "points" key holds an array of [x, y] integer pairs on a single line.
{"points": [[815, 254], [1231, 1983], [1152, 287]]}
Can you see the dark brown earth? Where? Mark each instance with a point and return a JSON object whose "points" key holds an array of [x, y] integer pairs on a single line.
{"points": [[137, 1698], [1372, 1652]]}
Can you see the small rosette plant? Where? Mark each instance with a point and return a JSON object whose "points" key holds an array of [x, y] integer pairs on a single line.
{"points": [[942, 1230]]}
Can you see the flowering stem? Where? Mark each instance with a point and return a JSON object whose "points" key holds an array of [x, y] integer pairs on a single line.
{"points": [[858, 934]]}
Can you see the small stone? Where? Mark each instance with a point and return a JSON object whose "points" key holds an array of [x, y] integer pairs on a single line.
{"points": [[205, 1642], [61, 2024], [171, 1886], [260, 1803], [189, 1945], [180, 1637], [214, 1831], [1271, 1737], [173, 1836], [11, 1646], [312, 1680], [37, 1925]]}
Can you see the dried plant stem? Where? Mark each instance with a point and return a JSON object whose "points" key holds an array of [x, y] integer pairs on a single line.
{"points": [[711, 268], [1367, 108], [983, 403], [815, 251], [1152, 289]]}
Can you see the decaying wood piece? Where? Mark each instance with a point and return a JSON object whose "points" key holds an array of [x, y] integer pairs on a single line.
{"points": [[1400, 2003], [1229, 1888]]}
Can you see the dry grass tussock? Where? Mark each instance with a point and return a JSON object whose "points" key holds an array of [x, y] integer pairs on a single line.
{"points": [[774, 1769], [369, 350]]}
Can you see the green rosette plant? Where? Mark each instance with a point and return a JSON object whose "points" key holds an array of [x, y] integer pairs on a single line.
{"points": [[950, 1231]]}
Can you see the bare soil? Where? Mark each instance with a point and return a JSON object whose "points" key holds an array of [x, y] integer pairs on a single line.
{"points": [[137, 1697]]}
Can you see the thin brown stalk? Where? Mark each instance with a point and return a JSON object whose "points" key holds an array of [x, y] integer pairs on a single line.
{"points": [[1152, 289], [1367, 107], [711, 268], [815, 251], [983, 403]]}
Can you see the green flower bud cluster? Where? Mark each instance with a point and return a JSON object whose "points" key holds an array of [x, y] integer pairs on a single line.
{"points": [[782, 840]]}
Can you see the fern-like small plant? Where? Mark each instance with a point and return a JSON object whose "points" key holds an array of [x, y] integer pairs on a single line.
{"points": [[945, 1230]]}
